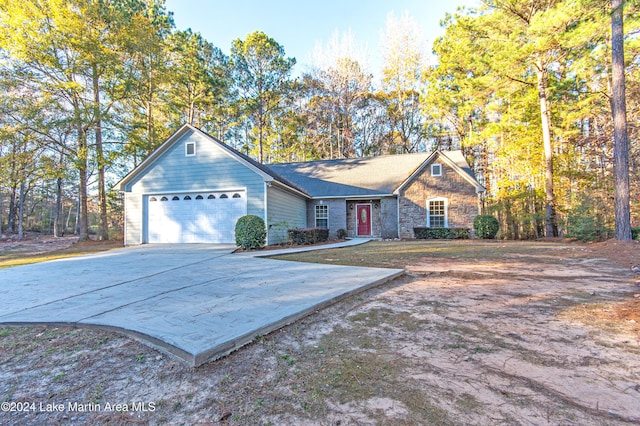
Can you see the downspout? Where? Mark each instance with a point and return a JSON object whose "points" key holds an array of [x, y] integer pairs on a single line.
{"points": [[266, 223]]}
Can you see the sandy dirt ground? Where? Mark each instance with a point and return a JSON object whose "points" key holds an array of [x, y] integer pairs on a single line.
{"points": [[34, 243], [545, 335]]}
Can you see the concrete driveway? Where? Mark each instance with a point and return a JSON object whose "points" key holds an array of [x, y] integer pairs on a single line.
{"points": [[196, 301]]}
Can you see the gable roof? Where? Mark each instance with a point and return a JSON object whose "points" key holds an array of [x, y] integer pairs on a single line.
{"points": [[351, 177], [368, 176], [262, 170], [455, 160]]}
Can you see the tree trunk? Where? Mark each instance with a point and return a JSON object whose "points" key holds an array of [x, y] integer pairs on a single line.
{"points": [[57, 217], [260, 134], [13, 212], [21, 211], [11, 220], [551, 227], [103, 231], [151, 138], [83, 217], [619, 110]]}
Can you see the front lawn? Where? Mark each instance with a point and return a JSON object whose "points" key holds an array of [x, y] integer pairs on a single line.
{"points": [[398, 254]]}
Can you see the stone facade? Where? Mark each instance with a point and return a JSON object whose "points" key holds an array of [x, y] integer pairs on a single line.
{"points": [[462, 200], [384, 217]]}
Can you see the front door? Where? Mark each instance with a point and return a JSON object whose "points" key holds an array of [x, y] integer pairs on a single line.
{"points": [[364, 219]]}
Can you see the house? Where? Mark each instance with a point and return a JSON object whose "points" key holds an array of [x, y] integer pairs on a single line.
{"points": [[193, 188]]}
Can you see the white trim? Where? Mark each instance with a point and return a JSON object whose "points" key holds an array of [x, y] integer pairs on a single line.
{"points": [[186, 149], [191, 191], [174, 138], [290, 189], [370, 219], [315, 214], [442, 156], [433, 166], [353, 197], [446, 210]]}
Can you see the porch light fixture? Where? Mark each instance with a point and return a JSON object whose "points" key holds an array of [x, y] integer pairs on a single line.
{"points": [[350, 206], [376, 205]]}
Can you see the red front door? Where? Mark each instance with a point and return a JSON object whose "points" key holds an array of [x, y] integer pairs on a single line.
{"points": [[364, 219]]}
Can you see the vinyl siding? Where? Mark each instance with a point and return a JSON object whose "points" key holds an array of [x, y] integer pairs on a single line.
{"points": [[285, 211], [133, 218], [212, 168]]}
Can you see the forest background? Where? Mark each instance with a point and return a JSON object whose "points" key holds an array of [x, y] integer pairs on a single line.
{"points": [[89, 88]]}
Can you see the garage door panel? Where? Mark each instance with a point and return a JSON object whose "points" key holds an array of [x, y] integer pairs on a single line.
{"points": [[194, 217]]}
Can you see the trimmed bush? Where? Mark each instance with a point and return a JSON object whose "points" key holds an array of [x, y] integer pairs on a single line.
{"points": [[486, 226], [250, 232], [635, 232], [441, 233], [307, 235], [341, 234]]}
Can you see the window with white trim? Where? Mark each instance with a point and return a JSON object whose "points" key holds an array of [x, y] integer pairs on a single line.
{"points": [[436, 169], [322, 216], [437, 213], [190, 149]]}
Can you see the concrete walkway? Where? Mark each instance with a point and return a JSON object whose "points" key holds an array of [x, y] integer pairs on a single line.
{"points": [[196, 301], [269, 253]]}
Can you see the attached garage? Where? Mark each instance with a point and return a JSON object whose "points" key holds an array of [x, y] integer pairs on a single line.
{"points": [[193, 189], [195, 217]]}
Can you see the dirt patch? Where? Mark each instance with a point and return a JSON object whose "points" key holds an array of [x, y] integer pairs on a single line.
{"points": [[35, 247], [525, 333], [34, 243]]}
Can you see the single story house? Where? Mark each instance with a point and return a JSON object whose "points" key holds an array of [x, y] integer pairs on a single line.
{"points": [[193, 188]]}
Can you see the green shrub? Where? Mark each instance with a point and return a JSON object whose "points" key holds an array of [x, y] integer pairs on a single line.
{"points": [[341, 234], [441, 233], [307, 235], [486, 226], [635, 232], [250, 232], [586, 222]]}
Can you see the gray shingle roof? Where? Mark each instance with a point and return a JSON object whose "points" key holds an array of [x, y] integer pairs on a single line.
{"points": [[352, 177], [359, 176]]}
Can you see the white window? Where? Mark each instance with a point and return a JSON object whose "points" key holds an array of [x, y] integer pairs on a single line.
{"points": [[437, 213], [322, 216], [436, 169], [190, 149]]}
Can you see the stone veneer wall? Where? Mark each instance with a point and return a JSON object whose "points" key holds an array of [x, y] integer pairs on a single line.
{"points": [[461, 195], [384, 219], [376, 224]]}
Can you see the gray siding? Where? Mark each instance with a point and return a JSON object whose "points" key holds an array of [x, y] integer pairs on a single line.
{"points": [[389, 217], [133, 218], [337, 215], [285, 210], [212, 168]]}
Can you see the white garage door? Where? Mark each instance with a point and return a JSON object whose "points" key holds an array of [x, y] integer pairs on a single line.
{"points": [[203, 217]]}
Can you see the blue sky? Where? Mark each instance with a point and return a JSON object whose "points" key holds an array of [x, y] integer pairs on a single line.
{"points": [[300, 25]]}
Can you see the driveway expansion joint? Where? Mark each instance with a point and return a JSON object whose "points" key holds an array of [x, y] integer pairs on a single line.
{"points": [[179, 299]]}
